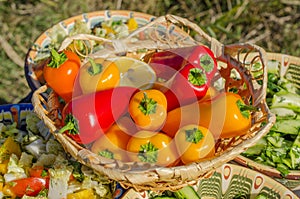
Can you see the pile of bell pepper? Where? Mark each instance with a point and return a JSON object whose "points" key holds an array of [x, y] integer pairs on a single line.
{"points": [[177, 121]]}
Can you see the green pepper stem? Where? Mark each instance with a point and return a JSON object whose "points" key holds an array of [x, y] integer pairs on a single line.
{"points": [[245, 109], [57, 59], [207, 63], [193, 135], [95, 68], [67, 127], [197, 77], [71, 125], [148, 105], [106, 153], [148, 153]]}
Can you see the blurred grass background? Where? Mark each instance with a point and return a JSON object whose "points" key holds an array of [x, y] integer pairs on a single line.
{"points": [[271, 24]]}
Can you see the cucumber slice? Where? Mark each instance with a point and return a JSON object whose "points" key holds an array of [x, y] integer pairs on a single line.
{"points": [[187, 192]]}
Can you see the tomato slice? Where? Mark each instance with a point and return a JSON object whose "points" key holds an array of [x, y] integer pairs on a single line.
{"points": [[38, 171], [30, 186]]}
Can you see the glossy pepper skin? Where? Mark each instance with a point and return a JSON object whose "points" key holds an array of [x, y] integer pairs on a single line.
{"points": [[194, 143], [166, 63], [113, 143], [225, 116], [192, 81], [148, 109], [61, 73], [88, 116], [205, 58], [152, 147], [98, 74]]}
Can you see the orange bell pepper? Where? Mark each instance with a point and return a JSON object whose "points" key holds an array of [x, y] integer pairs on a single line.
{"points": [[148, 109], [113, 144], [152, 147], [225, 116], [194, 143], [61, 73]]}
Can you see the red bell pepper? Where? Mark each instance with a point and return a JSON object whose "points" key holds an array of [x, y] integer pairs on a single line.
{"points": [[87, 117], [204, 58], [192, 81], [166, 63]]}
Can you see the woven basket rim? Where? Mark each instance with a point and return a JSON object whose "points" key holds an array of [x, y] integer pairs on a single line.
{"points": [[281, 56], [268, 170]]}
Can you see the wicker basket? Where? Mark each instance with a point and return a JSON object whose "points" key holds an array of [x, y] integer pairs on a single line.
{"points": [[289, 68], [170, 32]]}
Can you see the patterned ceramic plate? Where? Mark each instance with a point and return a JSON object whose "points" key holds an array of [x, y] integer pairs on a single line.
{"points": [[33, 72], [289, 67], [10, 113], [233, 181]]}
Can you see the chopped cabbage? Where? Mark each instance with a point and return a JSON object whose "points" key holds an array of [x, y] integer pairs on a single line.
{"points": [[40, 149], [43, 129], [14, 170], [60, 161], [54, 147], [9, 130], [13, 165], [101, 189], [33, 197], [58, 186], [31, 120], [36, 148], [25, 160], [80, 27], [45, 160]]}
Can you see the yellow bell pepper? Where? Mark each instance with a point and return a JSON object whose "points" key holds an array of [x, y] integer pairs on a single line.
{"points": [[82, 194], [1, 183], [3, 167], [10, 146], [98, 74]]}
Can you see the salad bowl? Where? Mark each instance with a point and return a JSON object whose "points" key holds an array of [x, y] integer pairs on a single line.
{"points": [[17, 113], [35, 58], [230, 181], [285, 169]]}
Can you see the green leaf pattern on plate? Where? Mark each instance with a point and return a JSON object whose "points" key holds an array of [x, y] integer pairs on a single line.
{"points": [[232, 182]]}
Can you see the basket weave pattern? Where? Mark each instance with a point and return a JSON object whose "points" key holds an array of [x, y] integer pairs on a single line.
{"points": [[163, 33]]}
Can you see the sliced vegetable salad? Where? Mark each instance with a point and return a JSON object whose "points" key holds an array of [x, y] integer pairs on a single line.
{"points": [[34, 165], [110, 29], [280, 148]]}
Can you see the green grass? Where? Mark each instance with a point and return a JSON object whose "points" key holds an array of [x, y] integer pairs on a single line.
{"points": [[273, 25]]}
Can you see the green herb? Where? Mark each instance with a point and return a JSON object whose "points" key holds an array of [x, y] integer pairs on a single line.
{"points": [[280, 148]]}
